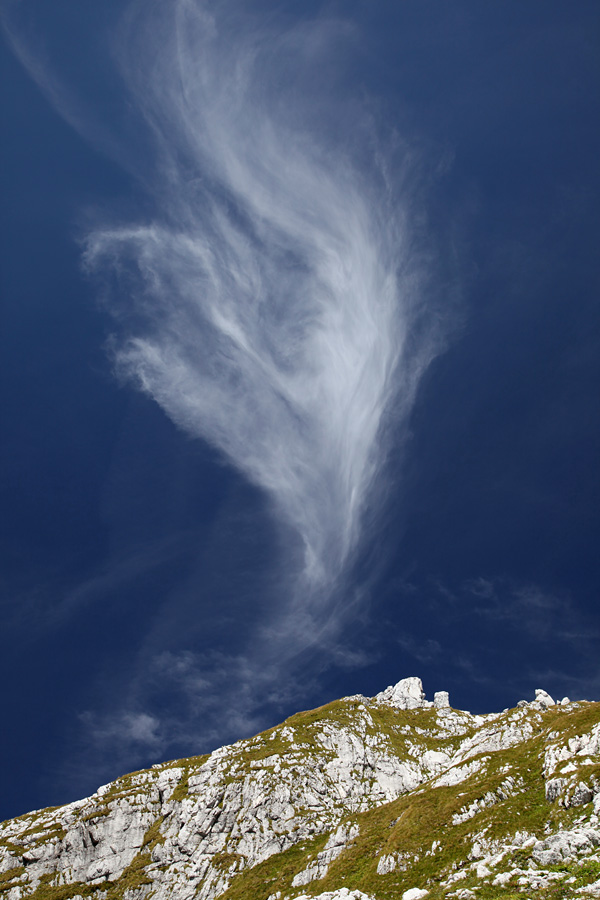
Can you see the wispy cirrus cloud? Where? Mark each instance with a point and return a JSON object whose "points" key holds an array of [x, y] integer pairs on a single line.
{"points": [[275, 302], [271, 307]]}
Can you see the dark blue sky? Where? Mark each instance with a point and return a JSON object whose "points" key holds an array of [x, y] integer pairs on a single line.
{"points": [[154, 598]]}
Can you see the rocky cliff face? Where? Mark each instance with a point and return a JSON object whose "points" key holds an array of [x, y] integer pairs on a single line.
{"points": [[387, 797]]}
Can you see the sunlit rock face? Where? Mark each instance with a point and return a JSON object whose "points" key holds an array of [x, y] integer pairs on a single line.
{"points": [[407, 694], [362, 799]]}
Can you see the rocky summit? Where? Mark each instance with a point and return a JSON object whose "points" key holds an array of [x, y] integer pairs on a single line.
{"points": [[393, 796]]}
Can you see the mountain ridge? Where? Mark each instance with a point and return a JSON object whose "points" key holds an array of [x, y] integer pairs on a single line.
{"points": [[377, 798]]}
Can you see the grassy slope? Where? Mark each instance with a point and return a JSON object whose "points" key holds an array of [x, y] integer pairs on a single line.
{"points": [[408, 825], [411, 824]]}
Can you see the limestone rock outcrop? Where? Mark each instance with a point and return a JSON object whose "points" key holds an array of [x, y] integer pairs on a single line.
{"points": [[406, 694], [364, 798]]}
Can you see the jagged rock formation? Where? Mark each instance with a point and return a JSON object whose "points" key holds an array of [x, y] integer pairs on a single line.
{"points": [[362, 799]]}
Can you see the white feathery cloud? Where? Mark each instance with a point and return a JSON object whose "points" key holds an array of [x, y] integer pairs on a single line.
{"points": [[268, 307], [275, 303]]}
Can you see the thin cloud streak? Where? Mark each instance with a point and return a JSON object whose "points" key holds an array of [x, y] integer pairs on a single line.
{"points": [[270, 307]]}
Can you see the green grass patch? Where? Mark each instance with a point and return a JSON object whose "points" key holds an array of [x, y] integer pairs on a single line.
{"points": [[181, 790], [11, 874], [48, 891], [275, 873], [134, 877], [11, 847], [224, 861], [153, 835], [48, 831]]}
